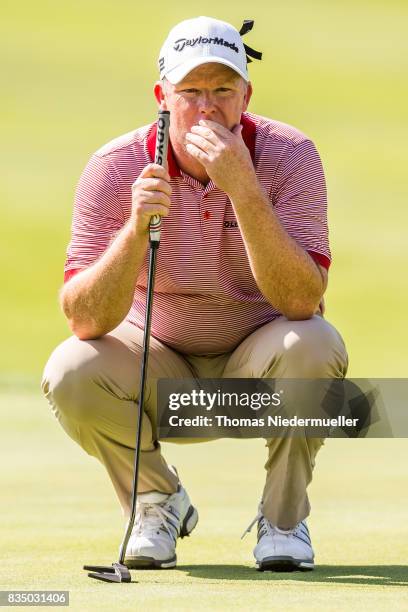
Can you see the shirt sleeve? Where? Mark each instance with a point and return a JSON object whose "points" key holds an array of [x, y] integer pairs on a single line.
{"points": [[300, 200], [97, 216]]}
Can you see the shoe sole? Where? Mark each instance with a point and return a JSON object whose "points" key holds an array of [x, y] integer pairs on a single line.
{"points": [[150, 563], [142, 562], [284, 564]]}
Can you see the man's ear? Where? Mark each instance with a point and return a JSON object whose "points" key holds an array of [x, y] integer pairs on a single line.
{"points": [[159, 95], [248, 95]]}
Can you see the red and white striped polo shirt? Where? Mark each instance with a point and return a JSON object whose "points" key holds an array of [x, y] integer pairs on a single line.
{"points": [[206, 298]]}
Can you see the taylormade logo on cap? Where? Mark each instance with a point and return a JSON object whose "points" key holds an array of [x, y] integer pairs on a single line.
{"points": [[182, 42], [198, 41]]}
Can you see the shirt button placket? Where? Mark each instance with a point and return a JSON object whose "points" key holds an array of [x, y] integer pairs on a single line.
{"points": [[205, 214]]}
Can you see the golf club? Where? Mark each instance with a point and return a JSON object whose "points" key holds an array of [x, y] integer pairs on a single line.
{"points": [[118, 572]]}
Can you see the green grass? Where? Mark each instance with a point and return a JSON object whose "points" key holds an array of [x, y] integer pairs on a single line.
{"points": [[59, 512], [77, 74]]}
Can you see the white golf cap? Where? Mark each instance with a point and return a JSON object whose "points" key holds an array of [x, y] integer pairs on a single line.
{"points": [[200, 41]]}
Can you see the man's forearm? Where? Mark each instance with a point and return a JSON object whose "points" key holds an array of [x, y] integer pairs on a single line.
{"points": [[97, 299], [284, 272]]}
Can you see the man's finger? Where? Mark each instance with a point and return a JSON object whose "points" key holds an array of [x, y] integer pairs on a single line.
{"points": [[237, 129], [200, 142], [199, 154], [155, 170], [215, 127], [156, 197], [205, 132], [152, 184]]}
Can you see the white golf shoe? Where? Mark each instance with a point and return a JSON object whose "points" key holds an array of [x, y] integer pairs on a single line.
{"points": [[281, 550], [160, 520]]}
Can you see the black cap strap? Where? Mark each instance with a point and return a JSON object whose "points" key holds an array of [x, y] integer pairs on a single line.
{"points": [[247, 27]]}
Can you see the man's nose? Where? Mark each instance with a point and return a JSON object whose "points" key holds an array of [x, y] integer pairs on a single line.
{"points": [[206, 104]]}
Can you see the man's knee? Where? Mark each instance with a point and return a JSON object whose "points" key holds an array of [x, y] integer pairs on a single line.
{"points": [[68, 377], [311, 348]]}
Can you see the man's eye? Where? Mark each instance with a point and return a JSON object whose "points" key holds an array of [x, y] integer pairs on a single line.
{"points": [[190, 90], [223, 89]]}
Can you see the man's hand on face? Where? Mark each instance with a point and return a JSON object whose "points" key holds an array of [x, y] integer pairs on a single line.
{"points": [[224, 155]]}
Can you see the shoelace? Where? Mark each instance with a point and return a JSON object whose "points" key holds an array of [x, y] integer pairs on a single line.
{"points": [[256, 519], [151, 518], [265, 527]]}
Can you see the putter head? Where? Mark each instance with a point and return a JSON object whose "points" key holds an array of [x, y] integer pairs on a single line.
{"points": [[117, 572]]}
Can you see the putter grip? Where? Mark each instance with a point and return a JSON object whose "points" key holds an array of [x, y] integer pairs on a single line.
{"points": [[160, 157]]}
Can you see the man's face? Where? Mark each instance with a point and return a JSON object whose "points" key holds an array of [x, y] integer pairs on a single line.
{"points": [[211, 91]]}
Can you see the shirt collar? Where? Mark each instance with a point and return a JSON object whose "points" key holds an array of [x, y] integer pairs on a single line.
{"points": [[248, 135]]}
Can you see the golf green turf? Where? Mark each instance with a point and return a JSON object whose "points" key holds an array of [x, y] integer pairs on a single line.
{"points": [[59, 512], [77, 74]]}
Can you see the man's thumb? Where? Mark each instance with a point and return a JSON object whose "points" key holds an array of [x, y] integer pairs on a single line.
{"points": [[237, 129]]}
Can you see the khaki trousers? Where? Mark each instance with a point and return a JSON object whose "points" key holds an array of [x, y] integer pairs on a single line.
{"points": [[93, 385]]}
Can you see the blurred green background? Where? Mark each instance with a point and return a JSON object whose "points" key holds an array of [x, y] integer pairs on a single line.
{"points": [[75, 75], [79, 73]]}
